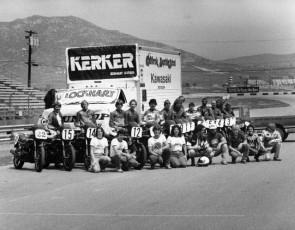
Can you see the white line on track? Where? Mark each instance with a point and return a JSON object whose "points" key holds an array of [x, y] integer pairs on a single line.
{"points": [[110, 215]]}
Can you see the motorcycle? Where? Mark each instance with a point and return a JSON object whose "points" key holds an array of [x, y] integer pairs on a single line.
{"points": [[58, 148], [81, 144], [29, 147]]}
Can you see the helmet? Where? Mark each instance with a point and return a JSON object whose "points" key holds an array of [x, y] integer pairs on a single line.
{"points": [[203, 161]]}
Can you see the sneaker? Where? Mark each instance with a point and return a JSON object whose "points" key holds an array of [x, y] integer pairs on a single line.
{"points": [[244, 161], [168, 167], [223, 162], [277, 159], [233, 160], [119, 170], [256, 158]]}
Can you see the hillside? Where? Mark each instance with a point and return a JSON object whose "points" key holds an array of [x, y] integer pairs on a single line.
{"points": [[57, 33], [274, 60]]}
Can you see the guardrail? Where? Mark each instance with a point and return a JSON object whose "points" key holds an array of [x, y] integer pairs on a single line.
{"points": [[6, 132]]}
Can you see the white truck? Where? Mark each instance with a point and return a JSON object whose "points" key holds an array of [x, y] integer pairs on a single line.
{"points": [[102, 75]]}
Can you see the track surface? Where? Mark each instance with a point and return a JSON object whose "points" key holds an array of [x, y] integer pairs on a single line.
{"points": [[237, 196]]}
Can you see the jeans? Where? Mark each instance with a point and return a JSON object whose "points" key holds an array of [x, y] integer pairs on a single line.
{"points": [[163, 160], [244, 150], [178, 159]]}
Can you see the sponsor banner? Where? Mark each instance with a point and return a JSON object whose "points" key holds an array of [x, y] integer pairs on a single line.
{"points": [[90, 95], [250, 89], [161, 70], [98, 63]]}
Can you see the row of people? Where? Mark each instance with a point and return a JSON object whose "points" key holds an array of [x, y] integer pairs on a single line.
{"points": [[175, 151]]}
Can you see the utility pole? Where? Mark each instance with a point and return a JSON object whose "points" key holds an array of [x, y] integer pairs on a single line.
{"points": [[30, 43]]}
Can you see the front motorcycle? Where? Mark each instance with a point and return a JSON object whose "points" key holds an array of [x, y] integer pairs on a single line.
{"points": [[29, 147], [81, 144], [59, 148]]}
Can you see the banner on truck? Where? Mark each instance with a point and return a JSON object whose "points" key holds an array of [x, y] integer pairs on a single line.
{"points": [[161, 70], [98, 63]]}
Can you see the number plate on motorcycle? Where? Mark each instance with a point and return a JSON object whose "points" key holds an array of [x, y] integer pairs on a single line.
{"points": [[40, 134], [192, 124], [136, 132], [230, 121], [90, 132], [68, 134]]}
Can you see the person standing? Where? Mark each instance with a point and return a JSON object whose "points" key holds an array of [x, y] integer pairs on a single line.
{"points": [[85, 115], [132, 117], [152, 116], [205, 112], [117, 117], [159, 149], [216, 111]]}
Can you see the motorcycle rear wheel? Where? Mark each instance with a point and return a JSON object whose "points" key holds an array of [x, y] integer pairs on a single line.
{"points": [[40, 159], [18, 164], [70, 158], [141, 155]]}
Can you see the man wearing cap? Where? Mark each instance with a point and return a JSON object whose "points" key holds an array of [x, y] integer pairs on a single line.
{"points": [[237, 144], [217, 143], [55, 118], [271, 140], [85, 115], [206, 112]]}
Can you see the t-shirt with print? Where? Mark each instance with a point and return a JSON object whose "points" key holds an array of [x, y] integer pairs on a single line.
{"points": [[253, 141], [120, 145], [157, 143], [99, 146], [176, 143], [214, 139], [197, 140], [268, 136]]}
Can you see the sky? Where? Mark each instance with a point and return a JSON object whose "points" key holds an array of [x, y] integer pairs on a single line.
{"points": [[214, 29]]}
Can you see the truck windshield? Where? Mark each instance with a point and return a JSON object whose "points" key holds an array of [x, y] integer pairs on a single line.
{"points": [[95, 95]]}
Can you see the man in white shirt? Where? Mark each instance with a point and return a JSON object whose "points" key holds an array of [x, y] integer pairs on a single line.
{"points": [[120, 154]]}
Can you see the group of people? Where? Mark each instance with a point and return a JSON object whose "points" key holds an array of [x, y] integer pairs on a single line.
{"points": [[175, 150]]}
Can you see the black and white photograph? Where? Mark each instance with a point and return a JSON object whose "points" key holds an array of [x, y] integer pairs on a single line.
{"points": [[147, 114]]}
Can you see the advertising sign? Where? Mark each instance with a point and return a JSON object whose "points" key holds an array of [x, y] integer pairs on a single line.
{"points": [[250, 89], [161, 70], [97, 63]]}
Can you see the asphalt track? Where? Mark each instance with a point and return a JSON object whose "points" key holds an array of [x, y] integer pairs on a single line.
{"points": [[258, 195]]}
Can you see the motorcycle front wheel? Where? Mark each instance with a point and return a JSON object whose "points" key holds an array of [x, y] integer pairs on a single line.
{"points": [[40, 159], [69, 158], [18, 164]]}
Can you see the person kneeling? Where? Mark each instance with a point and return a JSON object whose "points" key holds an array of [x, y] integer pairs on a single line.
{"points": [[176, 143], [271, 141], [218, 144], [197, 145], [237, 144], [99, 152], [159, 149], [120, 153]]}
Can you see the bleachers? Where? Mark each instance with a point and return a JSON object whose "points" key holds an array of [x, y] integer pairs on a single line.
{"points": [[15, 97]]}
